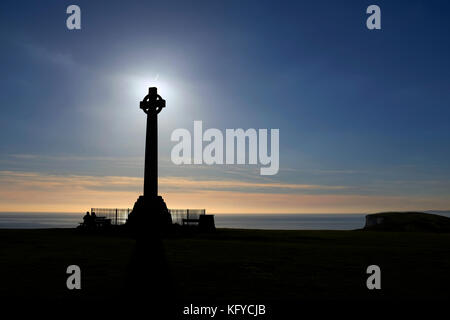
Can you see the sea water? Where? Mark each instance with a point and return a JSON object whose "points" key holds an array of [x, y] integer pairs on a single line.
{"points": [[23, 220]]}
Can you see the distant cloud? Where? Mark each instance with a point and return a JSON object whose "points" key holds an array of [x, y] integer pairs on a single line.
{"points": [[46, 55], [51, 181], [74, 158], [180, 182], [29, 191]]}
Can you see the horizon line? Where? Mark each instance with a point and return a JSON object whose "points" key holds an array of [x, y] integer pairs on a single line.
{"points": [[231, 213]]}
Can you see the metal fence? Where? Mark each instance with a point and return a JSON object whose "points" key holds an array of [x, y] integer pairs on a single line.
{"points": [[120, 216], [185, 216], [117, 216]]}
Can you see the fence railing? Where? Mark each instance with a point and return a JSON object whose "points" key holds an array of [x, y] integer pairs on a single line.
{"points": [[120, 216], [117, 216], [183, 216]]}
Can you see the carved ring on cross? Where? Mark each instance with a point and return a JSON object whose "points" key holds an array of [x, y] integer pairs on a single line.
{"points": [[152, 102]]}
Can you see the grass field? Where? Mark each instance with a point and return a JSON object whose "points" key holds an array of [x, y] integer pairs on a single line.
{"points": [[232, 264]]}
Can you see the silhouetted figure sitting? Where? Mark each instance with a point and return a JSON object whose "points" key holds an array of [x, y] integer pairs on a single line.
{"points": [[93, 220], [92, 223], [86, 218], [88, 221]]}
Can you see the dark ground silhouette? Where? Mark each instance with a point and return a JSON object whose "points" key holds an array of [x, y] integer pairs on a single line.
{"points": [[149, 284]]}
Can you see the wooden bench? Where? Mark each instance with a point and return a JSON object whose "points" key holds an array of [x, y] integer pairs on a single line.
{"points": [[99, 223], [190, 221]]}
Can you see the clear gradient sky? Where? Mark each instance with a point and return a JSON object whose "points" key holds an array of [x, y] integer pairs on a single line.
{"points": [[363, 115]]}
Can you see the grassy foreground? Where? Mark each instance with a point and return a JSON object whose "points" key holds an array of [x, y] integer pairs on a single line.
{"points": [[232, 264]]}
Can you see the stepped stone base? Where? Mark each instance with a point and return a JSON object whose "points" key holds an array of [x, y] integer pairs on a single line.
{"points": [[150, 217]]}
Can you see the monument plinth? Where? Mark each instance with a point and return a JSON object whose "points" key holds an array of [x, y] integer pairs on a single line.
{"points": [[150, 214]]}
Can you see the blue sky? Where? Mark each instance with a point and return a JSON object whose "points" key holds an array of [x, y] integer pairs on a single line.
{"points": [[363, 115]]}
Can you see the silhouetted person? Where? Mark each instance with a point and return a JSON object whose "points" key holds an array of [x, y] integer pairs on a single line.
{"points": [[93, 220], [89, 221], [86, 219]]}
